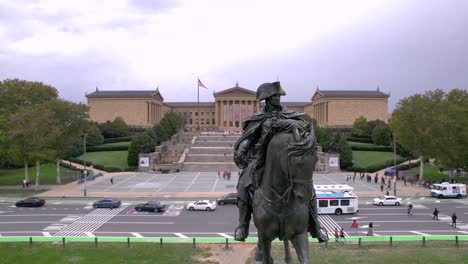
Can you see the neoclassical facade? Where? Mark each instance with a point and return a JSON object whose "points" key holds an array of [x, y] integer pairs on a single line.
{"points": [[231, 106]]}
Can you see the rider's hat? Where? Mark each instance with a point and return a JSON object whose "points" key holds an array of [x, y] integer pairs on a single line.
{"points": [[269, 89]]}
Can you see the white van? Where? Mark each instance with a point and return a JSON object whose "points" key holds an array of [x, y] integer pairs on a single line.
{"points": [[445, 189]]}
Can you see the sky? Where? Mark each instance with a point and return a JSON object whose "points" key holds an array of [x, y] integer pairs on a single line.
{"points": [[403, 47]]}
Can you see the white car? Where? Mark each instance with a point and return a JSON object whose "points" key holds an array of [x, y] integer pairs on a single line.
{"points": [[387, 200], [204, 205]]}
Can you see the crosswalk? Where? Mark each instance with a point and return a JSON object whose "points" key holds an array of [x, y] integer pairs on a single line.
{"points": [[87, 224], [329, 224]]}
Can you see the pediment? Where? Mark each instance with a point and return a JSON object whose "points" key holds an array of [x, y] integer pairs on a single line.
{"points": [[235, 92], [317, 95], [157, 95]]}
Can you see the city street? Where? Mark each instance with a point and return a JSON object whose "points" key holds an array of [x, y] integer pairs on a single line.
{"points": [[74, 217]]}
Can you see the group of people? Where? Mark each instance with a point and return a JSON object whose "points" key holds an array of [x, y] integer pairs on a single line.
{"points": [[340, 234], [435, 216], [226, 175], [165, 171], [26, 183]]}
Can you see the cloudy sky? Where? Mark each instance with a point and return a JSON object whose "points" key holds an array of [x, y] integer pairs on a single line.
{"points": [[402, 46]]}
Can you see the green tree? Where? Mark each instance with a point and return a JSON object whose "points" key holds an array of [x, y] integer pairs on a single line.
{"points": [[119, 127], [160, 134], [94, 136], [171, 123], [371, 125], [359, 126], [143, 143], [340, 145], [414, 120], [382, 135]]}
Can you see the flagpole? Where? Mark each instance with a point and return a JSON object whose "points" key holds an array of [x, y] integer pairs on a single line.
{"points": [[198, 102]]}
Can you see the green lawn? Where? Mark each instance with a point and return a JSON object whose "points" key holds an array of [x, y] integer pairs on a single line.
{"points": [[106, 253], [125, 143], [435, 252], [431, 173], [366, 158], [107, 158], [351, 143], [16, 176]]}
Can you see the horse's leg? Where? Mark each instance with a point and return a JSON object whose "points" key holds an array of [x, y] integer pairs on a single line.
{"points": [[266, 245], [259, 252], [301, 244], [287, 252]]}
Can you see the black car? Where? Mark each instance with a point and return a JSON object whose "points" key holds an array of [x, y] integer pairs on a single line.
{"points": [[30, 202], [230, 198], [151, 206]]}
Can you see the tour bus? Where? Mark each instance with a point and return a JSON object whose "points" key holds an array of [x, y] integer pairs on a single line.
{"points": [[338, 188], [338, 203], [445, 189]]}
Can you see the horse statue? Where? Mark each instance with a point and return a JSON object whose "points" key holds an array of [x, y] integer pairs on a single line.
{"points": [[281, 199]]}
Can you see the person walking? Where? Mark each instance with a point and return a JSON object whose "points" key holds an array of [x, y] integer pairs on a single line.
{"points": [[112, 180], [410, 209], [24, 183], [337, 234], [435, 214], [381, 187], [454, 220], [370, 232], [355, 227], [342, 236]]}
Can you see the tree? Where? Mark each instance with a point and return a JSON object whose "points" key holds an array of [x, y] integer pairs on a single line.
{"points": [[143, 143], [119, 127], [371, 125], [359, 126], [171, 123], [160, 134], [94, 136], [340, 145], [382, 135], [414, 120]]}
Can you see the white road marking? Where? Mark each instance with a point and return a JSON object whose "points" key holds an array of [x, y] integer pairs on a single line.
{"points": [[57, 203], [55, 227], [136, 235], [215, 183], [180, 235], [464, 232], [357, 217], [225, 235], [169, 182], [193, 181], [89, 234], [46, 234], [419, 233]]}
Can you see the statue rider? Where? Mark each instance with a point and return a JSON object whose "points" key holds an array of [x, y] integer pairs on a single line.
{"points": [[247, 158]]}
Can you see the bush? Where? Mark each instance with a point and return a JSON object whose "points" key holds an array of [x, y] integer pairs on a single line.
{"points": [[106, 148], [112, 169], [373, 148], [119, 127], [382, 135], [94, 136], [99, 167], [131, 168], [118, 139]]}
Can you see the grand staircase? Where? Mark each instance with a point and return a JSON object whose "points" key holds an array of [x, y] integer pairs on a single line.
{"points": [[211, 153]]}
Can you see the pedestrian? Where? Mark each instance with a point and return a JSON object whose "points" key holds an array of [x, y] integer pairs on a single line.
{"points": [[381, 187], [24, 183], [354, 177], [410, 209], [388, 193], [355, 227], [435, 214], [218, 174], [112, 180], [454, 220], [370, 232], [337, 235], [342, 236]]}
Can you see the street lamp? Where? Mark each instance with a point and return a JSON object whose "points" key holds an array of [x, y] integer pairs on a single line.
{"points": [[84, 163], [394, 165]]}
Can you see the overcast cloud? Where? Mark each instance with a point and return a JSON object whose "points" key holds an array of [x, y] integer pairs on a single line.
{"points": [[404, 47]]}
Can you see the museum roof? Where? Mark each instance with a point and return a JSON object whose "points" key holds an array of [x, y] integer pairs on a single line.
{"points": [[122, 93], [189, 104], [352, 93]]}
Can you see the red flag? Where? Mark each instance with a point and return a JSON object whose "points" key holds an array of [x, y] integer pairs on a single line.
{"points": [[200, 84]]}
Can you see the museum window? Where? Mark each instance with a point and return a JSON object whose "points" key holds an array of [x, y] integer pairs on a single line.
{"points": [[207, 121], [323, 203], [190, 113], [190, 120], [333, 202], [344, 202], [196, 113], [212, 121], [202, 121], [213, 113]]}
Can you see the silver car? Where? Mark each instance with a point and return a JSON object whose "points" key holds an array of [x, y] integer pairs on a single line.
{"points": [[387, 200]]}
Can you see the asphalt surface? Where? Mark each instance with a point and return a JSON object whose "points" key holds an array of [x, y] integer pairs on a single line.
{"points": [[76, 217]]}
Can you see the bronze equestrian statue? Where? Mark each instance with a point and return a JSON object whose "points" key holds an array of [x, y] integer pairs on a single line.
{"points": [[277, 155]]}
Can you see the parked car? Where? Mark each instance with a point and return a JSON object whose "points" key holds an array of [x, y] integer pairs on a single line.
{"points": [[387, 200], [230, 198], [205, 205], [107, 203], [151, 206], [30, 202]]}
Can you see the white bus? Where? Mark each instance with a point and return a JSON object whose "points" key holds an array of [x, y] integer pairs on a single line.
{"points": [[445, 189], [336, 203], [337, 188]]}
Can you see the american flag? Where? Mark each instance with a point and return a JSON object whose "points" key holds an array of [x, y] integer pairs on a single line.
{"points": [[200, 84]]}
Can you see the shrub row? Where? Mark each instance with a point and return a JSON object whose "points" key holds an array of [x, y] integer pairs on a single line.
{"points": [[360, 139], [118, 139], [376, 167], [407, 166], [68, 166], [99, 166], [106, 148], [373, 148], [80, 161]]}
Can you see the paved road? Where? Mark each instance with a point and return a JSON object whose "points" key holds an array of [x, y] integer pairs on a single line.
{"points": [[73, 217]]}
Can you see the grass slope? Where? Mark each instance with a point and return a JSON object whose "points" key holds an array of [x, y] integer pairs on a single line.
{"points": [[125, 143], [432, 173], [367, 158], [16, 176], [107, 158]]}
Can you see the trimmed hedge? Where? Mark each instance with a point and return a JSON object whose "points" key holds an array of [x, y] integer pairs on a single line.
{"points": [[70, 167], [80, 161], [407, 166], [373, 148], [360, 139], [131, 168], [106, 148], [377, 167], [118, 139]]}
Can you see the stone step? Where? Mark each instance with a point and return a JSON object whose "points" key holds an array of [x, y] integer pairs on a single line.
{"points": [[213, 144], [208, 158], [218, 138], [214, 151], [210, 167]]}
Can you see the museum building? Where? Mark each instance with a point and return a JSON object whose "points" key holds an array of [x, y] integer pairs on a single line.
{"points": [[331, 108]]}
